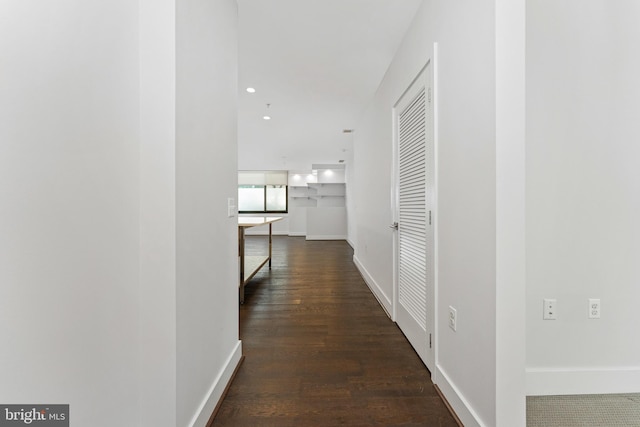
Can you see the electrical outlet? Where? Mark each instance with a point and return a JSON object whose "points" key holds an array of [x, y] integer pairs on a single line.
{"points": [[453, 318], [594, 308], [550, 309]]}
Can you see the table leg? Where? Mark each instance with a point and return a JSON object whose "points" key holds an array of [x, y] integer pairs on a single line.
{"points": [[241, 254], [270, 245]]}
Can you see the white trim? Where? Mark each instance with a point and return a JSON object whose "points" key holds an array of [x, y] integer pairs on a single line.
{"points": [[376, 290], [209, 403], [460, 405], [351, 243], [297, 234], [510, 232], [600, 380], [395, 190], [327, 237], [436, 212]]}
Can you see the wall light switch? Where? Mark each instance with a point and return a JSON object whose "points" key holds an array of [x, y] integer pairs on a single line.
{"points": [[231, 207]]}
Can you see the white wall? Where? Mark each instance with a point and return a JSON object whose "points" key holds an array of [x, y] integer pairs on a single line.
{"points": [[157, 291], [583, 181], [206, 175], [466, 215], [69, 212], [118, 263], [349, 198]]}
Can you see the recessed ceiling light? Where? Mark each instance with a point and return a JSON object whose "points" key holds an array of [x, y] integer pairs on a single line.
{"points": [[266, 116], [251, 90]]}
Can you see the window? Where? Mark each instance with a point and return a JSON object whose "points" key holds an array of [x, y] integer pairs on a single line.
{"points": [[251, 198], [262, 192], [276, 198]]}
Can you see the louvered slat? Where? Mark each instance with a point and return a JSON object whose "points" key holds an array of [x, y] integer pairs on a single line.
{"points": [[412, 230]]}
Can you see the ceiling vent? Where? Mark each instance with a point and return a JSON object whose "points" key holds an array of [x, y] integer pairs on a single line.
{"points": [[347, 130]]}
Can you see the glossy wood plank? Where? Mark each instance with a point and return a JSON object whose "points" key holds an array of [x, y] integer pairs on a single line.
{"points": [[320, 351]]}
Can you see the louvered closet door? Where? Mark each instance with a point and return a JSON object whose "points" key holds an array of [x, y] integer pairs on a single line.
{"points": [[414, 308]]}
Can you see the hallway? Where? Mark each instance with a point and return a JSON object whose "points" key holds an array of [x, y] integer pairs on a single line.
{"points": [[320, 351]]}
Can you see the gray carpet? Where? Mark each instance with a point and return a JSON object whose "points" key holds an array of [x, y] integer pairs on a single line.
{"points": [[602, 410]]}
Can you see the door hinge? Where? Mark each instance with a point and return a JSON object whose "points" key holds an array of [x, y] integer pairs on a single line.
{"points": [[429, 217], [429, 340]]}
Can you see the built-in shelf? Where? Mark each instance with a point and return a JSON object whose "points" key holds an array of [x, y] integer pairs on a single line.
{"points": [[320, 204]]}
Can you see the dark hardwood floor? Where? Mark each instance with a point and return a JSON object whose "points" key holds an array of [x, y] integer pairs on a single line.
{"points": [[320, 351]]}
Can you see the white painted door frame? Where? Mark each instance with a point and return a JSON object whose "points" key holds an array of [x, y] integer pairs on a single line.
{"points": [[430, 357]]}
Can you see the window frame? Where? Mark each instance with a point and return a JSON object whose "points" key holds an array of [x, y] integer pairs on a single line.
{"points": [[264, 188]]}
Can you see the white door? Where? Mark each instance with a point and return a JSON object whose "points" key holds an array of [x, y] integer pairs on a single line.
{"points": [[414, 246]]}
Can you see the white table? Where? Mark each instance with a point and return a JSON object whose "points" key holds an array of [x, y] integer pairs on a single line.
{"points": [[250, 265]]}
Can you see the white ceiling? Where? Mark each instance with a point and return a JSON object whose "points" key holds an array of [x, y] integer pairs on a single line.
{"points": [[318, 63]]}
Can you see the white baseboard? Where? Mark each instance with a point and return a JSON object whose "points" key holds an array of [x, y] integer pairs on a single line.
{"points": [[350, 242], [560, 381], [201, 418], [297, 233], [457, 401], [327, 237], [382, 298]]}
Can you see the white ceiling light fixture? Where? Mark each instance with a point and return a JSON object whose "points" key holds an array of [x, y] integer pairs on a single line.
{"points": [[251, 90]]}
